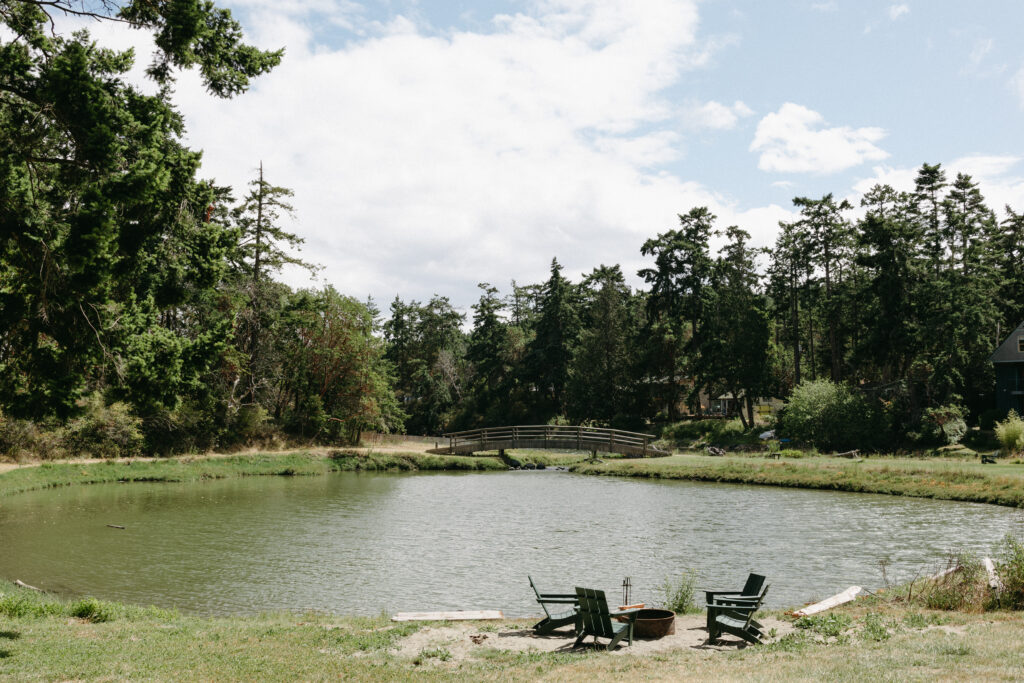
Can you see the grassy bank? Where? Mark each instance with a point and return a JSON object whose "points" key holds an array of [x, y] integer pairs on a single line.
{"points": [[1001, 484], [44, 639], [190, 469]]}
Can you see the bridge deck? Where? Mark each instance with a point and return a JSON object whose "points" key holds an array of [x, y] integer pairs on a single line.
{"points": [[596, 439]]}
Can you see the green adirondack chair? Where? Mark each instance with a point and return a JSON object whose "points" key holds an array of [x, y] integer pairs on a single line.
{"points": [[556, 619], [595, 619], [751, 590], [736, 619]]}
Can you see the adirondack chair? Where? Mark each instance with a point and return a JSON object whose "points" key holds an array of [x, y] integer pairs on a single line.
{"points": [[556, 619], [751, 590], [736, 619], [595, 619]]}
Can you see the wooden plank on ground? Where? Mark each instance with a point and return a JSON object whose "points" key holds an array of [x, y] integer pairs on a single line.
{"points": [[457, 615], [838, 599]]}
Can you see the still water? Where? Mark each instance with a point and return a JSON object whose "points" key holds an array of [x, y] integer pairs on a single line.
{"points": [[365, 543]]}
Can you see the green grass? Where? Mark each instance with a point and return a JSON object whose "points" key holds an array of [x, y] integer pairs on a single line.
{"points": [[945, 479], [193, 469], [869, 640]]}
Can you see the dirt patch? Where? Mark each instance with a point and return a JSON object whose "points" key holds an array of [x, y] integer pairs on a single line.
{"points": [[464, 640]]}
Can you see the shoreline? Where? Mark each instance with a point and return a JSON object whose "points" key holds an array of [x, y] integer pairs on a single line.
{"points": [[873, 638], [939, 479]]}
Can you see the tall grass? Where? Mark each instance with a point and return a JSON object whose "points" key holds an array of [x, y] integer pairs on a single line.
{"points": [[1010, 433], [677, 593]]}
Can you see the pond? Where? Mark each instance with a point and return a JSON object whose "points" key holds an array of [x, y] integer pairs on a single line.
{"points": [[366, 543]]}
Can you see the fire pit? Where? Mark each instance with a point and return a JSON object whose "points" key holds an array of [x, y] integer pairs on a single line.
{"points": [[654, 623]]}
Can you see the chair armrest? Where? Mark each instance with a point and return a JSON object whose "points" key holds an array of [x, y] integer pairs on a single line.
{"points": [[748, 608], [630, 614], [558, 601], [558, 595], [730, 599]]}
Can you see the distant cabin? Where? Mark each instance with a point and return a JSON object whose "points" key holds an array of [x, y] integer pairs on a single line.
{"points": [[1009, 363]]}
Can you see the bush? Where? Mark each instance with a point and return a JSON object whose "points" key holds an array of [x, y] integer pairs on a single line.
{"points": [[964, 587], [1010, 567], [700, 433], [92, 610], [831, 417], [677, 595], [1010, 433], [23, 439], [104, 431], [249, 426], [189, 428], [944, 425]]}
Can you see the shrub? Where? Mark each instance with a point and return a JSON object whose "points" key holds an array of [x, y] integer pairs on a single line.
{"points": [[831, 417], [92, 610], [677, 595], [104, 431], [874, 628], [1010, 567], [963, 587], [22, 439], [831, 625], [250, 425], [943, 425], [189, 428], [1010, 433]]}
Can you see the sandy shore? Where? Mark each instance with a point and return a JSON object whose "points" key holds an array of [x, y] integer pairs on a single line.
{"points": [[468, 639]]}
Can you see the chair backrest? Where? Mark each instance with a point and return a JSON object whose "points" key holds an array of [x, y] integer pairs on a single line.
{"points": [[753, 584], [757, 606], [539, 599], [593, 612]]}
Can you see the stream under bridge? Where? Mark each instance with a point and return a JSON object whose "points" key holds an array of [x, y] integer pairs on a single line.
{"points": [[553, 437]]}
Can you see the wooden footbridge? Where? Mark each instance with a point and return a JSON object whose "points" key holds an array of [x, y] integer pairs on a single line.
{"points": [[593, 439]]}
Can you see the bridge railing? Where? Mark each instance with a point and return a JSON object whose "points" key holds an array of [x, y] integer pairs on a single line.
{"points": [[553, 436]]}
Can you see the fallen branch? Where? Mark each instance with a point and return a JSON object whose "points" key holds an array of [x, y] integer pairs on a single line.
{"points": [[22, 584]]}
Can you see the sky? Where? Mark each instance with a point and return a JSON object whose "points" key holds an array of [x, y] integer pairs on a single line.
{"points": [[433, 146]]}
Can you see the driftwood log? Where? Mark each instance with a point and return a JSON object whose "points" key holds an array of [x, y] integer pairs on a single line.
{"points": [[22, 584]]}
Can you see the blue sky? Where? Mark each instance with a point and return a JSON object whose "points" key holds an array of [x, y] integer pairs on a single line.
{"points": [[434, 145]]}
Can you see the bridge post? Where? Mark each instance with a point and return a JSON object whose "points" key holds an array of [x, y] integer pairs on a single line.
{"points": [[485, 440], [611, 441], [579, 437], [645, 446]]}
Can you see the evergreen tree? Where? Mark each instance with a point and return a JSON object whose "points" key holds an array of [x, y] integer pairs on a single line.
{"points": [[550, 353], [102, 223], [601, 375], [675, 304]]}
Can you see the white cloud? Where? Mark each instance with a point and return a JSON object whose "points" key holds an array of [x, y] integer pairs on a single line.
{"points": [[794, 140], [897, 11], [427, 162], [715, 115]]}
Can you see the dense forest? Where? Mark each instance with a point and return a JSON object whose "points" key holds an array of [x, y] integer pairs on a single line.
{"points": [[139, 309]]}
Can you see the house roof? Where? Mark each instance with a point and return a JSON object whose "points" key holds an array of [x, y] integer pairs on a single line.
{"points": [[1008, 351]]}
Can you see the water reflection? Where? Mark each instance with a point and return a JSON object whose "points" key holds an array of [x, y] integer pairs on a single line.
{"points": [[362, 543]]}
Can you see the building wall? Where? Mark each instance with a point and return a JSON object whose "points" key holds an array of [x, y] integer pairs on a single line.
{"points": [[1008, 387]]}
